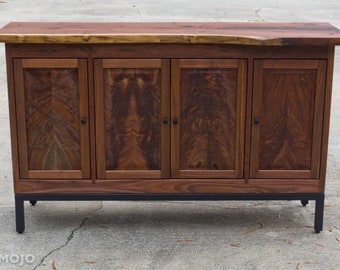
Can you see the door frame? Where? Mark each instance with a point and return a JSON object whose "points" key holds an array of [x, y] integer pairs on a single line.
{"points": [[241, 66], [259, 66], [19, 64], [164, 66]]}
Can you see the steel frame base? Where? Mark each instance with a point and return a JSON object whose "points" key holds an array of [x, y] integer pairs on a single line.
{"points": [[33, 198]]}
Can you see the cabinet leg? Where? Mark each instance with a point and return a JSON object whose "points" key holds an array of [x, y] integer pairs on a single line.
{"points": [[33, 203], [19, 215], [319, 208], [304, 202]]}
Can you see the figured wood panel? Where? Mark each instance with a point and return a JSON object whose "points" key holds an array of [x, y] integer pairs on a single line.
{"points": [[52, 98], [132, 119], [288, 104], [246, 33], [131, 141], [208, 99]]}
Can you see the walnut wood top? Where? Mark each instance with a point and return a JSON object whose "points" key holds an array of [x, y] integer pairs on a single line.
{"points": [[279, 34]]}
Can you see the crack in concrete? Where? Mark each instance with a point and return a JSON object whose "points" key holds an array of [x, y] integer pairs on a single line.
{"points": [[70, 237], [257, 13]]}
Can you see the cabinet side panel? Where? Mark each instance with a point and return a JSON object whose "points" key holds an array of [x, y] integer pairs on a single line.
{"points": [[326, 116], [12, 115]]}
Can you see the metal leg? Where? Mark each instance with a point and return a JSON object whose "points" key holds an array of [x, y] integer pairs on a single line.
{"points": [[319, 208], [33, 203], [304, 202], [19, 215], [33, 198]]}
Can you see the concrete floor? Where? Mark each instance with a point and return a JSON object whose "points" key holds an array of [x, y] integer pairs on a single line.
{"points": [[170, 235]]}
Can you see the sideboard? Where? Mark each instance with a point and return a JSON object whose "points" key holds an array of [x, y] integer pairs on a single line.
{"points": [[169, 111]]}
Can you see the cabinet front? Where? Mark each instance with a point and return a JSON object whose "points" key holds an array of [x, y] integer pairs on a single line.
{"points": [[288, 97], [208, 118], [52, 100], [132, 118]]}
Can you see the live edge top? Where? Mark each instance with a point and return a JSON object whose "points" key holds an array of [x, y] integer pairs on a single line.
{"points": [[277, 34]]}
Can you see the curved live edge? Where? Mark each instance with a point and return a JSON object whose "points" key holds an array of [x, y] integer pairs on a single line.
{"points": [[275, 34], [140, 38]]}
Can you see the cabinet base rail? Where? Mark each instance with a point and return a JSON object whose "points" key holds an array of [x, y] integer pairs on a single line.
{"points": [[33, 198]]}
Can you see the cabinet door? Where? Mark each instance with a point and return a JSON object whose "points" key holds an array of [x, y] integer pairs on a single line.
{"points": [[132, 111], [52, 98], [288, 100], [208, 118]]}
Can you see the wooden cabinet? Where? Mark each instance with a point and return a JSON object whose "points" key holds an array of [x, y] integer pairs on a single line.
{"points": [[202, 111]]}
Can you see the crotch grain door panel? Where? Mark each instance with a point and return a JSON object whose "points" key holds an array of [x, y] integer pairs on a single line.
{"points": [[288, 102], [132, 118], [208, 118], [52, 98]]}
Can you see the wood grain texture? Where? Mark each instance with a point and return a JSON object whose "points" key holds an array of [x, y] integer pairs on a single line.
{"points": [[52, 119], [289, 104], [132, 94], [140, 181], [49, 93], [132, 119], [208, 117], [207, 105], [162, 51], [326, 117], [171, 186], [248, 119], [286, 130], [278, 34], [13, 118], [91, 117]]}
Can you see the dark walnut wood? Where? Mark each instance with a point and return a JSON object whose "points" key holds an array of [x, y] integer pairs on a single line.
{"points": [[132, 119], [287, 125], [50, 115], [207, 101], [52, 118], [171, 186], [169, 107], [132, 101], [208, 116], [210, 109], [246, 33]]}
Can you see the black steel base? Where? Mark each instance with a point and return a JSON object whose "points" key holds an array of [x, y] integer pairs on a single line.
{"points": [[33, 198]]}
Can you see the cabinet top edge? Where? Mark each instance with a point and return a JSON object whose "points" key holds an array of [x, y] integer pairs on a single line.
{"points": [[242, 33]]}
